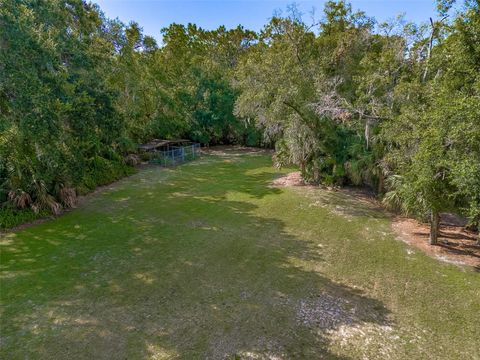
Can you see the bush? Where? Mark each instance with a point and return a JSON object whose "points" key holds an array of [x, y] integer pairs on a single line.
{"points": [[10, 217], [103, 172]]}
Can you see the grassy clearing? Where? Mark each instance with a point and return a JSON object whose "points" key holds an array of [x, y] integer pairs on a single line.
{"points": [[209, 261]]}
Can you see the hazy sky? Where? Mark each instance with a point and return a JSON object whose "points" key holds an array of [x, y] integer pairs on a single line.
{"points": [[152, 15]]}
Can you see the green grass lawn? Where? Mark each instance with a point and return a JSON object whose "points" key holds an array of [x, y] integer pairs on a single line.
{"points": [[209, 261]]}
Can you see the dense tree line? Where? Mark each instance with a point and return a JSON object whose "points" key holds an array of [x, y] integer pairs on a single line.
{"points": [[78, 92], [394, 106]]}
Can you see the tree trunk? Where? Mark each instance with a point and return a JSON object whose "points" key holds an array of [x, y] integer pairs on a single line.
{"points": [[435, 27], [429, 51], [316, 174], [434, 227], [478, 236], [302, 168]]}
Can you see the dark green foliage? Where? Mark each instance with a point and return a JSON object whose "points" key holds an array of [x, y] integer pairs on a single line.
{"points": [[393, 106], [59, 117], [373, 104], [434, 138], [78, 92]]}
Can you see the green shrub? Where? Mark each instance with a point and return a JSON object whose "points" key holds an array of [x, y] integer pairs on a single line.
{"points": [[103, 172], [10, 217]]}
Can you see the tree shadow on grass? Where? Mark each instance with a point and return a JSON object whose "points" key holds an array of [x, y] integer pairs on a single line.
{"points": [[452, 243], [190, 277]]}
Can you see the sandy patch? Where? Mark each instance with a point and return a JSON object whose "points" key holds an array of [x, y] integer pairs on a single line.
{"points": [[455, 244], [291, 179]]}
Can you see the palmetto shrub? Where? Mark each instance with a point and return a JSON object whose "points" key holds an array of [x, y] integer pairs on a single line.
{"points": [[132, 159], [19, 198], [67, 196], [43, 200]]}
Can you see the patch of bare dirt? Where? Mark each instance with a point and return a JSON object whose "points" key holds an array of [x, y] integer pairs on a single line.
{"points": [[455, 244], [291, 179]]}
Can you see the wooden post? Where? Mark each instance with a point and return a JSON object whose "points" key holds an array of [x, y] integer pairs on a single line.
{"points": [[434, 227]]}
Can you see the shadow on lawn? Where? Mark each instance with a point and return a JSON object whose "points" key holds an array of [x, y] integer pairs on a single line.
{"points": [[194, 277]]}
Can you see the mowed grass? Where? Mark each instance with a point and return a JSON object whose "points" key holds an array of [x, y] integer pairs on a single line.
{"points": [[209, 261]]}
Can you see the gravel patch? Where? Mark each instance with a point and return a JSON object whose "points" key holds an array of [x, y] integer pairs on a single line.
{"points": [[325, 312]]}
